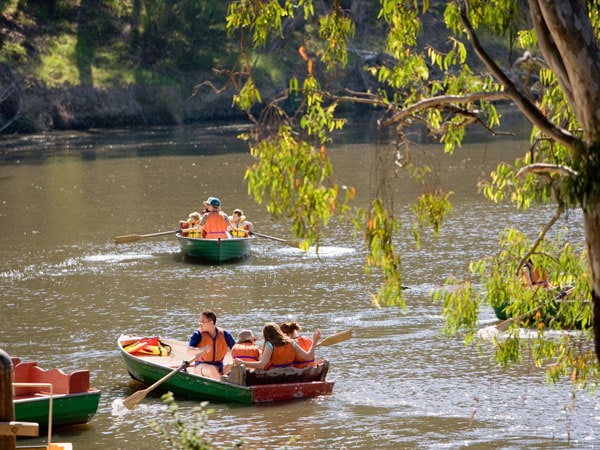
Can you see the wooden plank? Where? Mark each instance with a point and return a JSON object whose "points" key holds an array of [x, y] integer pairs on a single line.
{"points": [[14, 428]]}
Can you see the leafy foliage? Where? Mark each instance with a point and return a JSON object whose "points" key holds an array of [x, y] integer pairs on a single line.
{"points": [[435, 86]]}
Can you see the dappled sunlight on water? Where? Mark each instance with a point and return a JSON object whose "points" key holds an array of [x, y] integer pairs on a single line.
{"points": [[67, 295]]}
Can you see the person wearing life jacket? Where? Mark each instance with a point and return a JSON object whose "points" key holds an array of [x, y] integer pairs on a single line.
{"points": [[214, 224], [245, 348], [241, 227], [191, 227], [217, 340], [534, 277], [291, 329], [279, 350]]}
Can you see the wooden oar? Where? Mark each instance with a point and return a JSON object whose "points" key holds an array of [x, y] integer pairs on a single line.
{"points": [[138, 396], [335, 338], [136, 237], [283, 241]]}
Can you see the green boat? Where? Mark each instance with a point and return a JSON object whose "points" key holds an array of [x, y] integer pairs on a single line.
{"points": [[73, 401], [547, 313], [215, 250], [268, 386]]}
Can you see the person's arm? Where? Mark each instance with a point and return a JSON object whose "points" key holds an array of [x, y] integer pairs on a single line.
{"points": [[202, 222], [194, 341], [310, 354], [229, 339], [527, 275], [264, 359]]}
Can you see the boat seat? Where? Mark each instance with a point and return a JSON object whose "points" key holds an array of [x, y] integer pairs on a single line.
{"points": [[62, 383]]}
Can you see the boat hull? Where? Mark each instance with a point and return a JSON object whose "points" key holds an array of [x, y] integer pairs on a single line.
{"points": [[215, 250], [149, 369], [67, 409]]}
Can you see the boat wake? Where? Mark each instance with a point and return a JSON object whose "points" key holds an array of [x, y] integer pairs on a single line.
{"points": [[490, 333], [116, 257]]}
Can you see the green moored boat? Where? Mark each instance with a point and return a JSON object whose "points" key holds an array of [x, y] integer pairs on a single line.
{"points": [[215, 250], [270, 386], [73, 401]]}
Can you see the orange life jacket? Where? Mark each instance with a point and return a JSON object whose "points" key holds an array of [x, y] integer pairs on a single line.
{"points": [[247, 351], [282, 356], [538, 277], [217, 347], [305, 343], [215, 226]]}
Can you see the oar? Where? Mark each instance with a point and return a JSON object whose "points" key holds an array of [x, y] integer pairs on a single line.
{"points": [[335, 338], [503, 326], [290, 243], [138, 396], [136, 237]]}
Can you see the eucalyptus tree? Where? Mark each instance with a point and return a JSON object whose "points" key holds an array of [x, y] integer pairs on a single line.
{"points": [[447, 88]]}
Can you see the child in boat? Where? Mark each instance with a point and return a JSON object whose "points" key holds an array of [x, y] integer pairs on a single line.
{"points": [[279, 350], [245, 349], [291, 329], [241, 227], [191, 227]]}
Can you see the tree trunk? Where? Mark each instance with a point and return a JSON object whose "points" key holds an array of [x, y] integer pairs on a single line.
{"points": [[592, 239]]}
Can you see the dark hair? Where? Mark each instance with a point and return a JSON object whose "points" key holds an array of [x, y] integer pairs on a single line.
{"points": [[210, 315], [290, 327]]}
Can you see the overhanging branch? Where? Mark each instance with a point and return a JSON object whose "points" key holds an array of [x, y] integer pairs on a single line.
{"points": [[530, 111], [545, 168]]}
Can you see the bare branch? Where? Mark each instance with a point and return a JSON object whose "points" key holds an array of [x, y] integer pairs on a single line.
{"points": [[444, 100], [559, 211], [545, 168]]}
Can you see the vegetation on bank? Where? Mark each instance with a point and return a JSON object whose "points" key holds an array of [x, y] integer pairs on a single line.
{"points": [[102, 63]]}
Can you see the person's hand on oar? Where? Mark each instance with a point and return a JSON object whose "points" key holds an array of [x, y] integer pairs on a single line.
{"points": [[138, 396]]}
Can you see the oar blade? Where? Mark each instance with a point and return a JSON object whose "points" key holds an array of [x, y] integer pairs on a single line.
{"points": [[335, 338], [127, 238], [135, 398]]}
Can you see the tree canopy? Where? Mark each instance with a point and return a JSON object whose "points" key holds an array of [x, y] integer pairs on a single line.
{"points": [[547, 69]]}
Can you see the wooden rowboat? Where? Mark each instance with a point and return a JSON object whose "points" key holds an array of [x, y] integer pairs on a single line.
{"points": [[549, 313], [73, 401], [239, 387], [215, 250]]}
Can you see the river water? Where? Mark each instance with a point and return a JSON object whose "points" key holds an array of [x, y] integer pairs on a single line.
{"points": [[68, 292]]}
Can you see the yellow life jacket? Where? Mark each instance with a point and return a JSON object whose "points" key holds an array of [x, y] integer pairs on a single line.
{"points": [[148, 346]]}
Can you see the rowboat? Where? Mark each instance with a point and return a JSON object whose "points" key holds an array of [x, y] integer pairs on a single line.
{"points": [[215, 250], [73, 401], [240, 386], [548, 313]]}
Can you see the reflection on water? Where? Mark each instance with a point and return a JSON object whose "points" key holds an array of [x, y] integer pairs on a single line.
{"points": [[68, 292]]}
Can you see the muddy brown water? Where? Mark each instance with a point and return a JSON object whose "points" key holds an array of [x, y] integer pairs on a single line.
{"points": [[68, 292]]}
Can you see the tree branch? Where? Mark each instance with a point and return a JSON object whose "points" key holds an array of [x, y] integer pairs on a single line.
{"points": [[530, 111], [540, 238], [547, 168]]}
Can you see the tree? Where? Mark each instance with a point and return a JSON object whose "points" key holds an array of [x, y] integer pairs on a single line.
{"points": [[553, 83]]}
